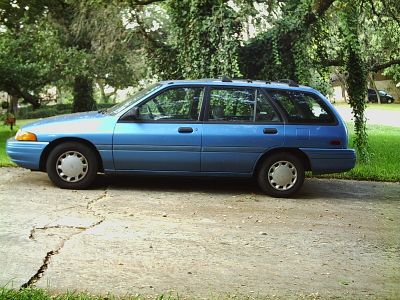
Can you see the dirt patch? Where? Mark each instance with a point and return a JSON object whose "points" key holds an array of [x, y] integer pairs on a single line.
{"points": [[201, 237]]}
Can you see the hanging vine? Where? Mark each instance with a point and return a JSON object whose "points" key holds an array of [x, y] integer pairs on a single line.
{"points": [[203, 41], [356, 81]]}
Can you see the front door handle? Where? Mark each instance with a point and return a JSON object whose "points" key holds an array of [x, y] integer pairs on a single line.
{"points": [[270, 131], [185, 129]]}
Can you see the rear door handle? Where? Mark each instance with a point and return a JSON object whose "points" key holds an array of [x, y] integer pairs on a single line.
{"points": [[185, 129], [270, 131]]}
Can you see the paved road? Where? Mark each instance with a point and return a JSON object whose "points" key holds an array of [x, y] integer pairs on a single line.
{"points": [[374, 116], [200, 237]]}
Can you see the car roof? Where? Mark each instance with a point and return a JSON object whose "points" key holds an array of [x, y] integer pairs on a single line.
{"points": [[240, 82]]}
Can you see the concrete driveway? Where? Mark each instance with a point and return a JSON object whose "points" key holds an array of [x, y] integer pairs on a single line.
{"points": [[200, 237]]}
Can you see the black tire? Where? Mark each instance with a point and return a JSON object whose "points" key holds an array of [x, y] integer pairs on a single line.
{"points": [[290, 166], [82, 160]]}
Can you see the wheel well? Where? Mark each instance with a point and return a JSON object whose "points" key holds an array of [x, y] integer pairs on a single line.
{"points": [[57, 142], [298, 153]]}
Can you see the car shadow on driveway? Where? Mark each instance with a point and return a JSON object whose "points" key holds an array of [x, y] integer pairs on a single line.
{"points": [[179, 184], [313, 188]]}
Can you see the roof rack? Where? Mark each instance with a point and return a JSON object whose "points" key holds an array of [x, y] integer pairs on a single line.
{"points": [[226, 79], [290, 82]]}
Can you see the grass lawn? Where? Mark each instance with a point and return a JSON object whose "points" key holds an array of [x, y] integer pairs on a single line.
{"points": [[39, 294], [5, 133], [384, 163], [383, 106]]}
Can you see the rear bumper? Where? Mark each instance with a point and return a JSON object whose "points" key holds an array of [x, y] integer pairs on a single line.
{"points": [[324, 161], [25, 154]]}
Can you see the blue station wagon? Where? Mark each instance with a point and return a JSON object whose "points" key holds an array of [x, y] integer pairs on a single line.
{"points": [[272, 131]]}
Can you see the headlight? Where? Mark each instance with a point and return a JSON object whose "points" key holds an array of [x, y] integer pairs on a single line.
{"points": [[25, 136]]}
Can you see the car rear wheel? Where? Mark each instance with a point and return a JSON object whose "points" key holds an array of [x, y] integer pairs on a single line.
{"points": [[72, 165], [281, 175]]}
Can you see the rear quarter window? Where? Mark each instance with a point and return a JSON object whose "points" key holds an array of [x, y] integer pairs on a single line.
{"points": [[302, 108]]}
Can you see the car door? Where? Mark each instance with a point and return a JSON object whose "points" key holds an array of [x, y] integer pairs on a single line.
{"points": [[241, 125], [309, 121], [164, 134]]}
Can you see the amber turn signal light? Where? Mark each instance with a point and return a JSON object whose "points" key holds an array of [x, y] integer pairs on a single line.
{"points": [[25, 136]]}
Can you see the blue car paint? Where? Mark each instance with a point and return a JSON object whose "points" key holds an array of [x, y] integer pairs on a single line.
{"points": [[157, 147], [26, 154], [234, 148], [211, 149], [93, 127], [324, 161]]}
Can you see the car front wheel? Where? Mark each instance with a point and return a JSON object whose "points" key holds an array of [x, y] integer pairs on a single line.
{"points": [[72, 165], [281, 175]]}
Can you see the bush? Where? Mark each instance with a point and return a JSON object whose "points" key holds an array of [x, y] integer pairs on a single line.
{"points": [[50, 110]]}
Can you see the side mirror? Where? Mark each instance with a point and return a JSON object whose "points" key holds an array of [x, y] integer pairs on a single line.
{"points": [[132, 114], [135, 112]]}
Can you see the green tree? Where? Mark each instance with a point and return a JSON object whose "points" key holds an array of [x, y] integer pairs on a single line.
{"points": [[28, 61], [90, 39], [202, 41]]}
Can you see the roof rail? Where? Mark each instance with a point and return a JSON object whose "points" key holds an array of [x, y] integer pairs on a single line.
{"points": [[290, 82], [226, 79]]}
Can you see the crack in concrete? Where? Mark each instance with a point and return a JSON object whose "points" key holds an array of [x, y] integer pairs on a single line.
{"points": [[34, 229], [46, 261], [91, 203]]}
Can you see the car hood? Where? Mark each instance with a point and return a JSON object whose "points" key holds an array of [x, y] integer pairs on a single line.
{"points": [[66, 118], [72, 125]]}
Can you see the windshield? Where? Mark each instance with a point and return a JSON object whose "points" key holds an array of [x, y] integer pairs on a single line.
{"points": [[131, 100]]}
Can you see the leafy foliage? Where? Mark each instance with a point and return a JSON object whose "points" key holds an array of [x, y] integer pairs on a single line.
{"points": [[29, 60], [79, 41], [356, 81], [203, 41]]}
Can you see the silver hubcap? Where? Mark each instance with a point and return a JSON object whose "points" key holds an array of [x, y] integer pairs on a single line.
{"points": [[282, 175], [72, 166]]}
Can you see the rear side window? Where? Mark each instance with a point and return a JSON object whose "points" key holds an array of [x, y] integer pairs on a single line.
{"points": [[240, 105], [302, 107], [232, 105]]}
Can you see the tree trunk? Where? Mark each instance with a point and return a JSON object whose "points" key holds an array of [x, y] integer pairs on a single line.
{"points": [[344, 94], [83, 94], [13, 104], [104, 97], [342, 82], [373, 86], [14, 91]]}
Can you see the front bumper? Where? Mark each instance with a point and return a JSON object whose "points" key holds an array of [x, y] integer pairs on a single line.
{"points": [[25, 154], [324, 161]]}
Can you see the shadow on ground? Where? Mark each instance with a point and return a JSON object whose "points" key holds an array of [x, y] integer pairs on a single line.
{"points": [[312, 188]]}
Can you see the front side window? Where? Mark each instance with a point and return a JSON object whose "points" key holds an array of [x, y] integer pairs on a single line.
{"points": [[177, 104], [131, 100], [240, 105], [302, 108]]}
